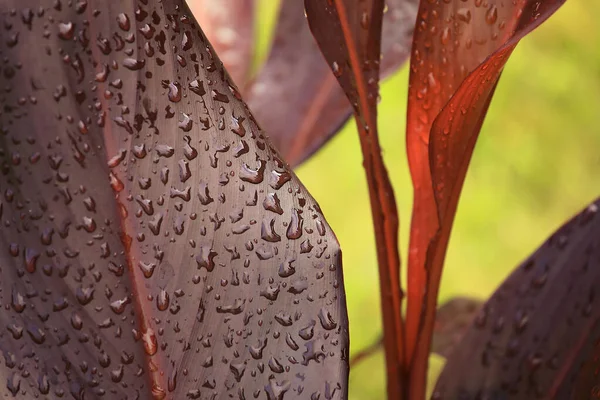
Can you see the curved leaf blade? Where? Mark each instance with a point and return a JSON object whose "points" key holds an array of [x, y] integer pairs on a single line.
{"points": [[459, 50], [538, 335], [303, 113], [295, 96], [229, 27], [396, 34], [155, 245], [452, 320], [349, 35]]}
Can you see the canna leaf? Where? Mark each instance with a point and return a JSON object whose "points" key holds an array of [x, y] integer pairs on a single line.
{"points": [[349, 35], [296, 98], [538, 335], [451, 322], [229, 27], [396, 34], [459, 50], [154, 245]]}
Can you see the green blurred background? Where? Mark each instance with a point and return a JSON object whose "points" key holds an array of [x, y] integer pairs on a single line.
{"points": [[536, 163]]}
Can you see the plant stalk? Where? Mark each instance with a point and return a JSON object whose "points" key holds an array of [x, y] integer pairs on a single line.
{"points": [[385, 218]]}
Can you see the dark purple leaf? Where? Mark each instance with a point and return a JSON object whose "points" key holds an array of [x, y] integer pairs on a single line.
{"points": [[296, 98], [229, 27], [538, 336], [153, 243], [452, 319]]}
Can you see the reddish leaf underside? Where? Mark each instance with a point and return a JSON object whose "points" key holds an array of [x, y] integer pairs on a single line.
{"points": [[459, 50], [539, 334], [296, 98], [153, 244], [349, 33], [229, 27]]}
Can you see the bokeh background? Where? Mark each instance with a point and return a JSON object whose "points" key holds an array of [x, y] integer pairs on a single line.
{"points": [[537, 162]]}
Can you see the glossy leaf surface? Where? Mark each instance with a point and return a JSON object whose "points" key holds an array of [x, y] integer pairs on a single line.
{"points": [[295, 97], [459, 50], [153, 243], [396, 35], [538, 335], [349, 35], [229, 27]]}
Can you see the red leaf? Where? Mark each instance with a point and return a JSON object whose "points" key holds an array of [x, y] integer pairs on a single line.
{"points": [[459, 50], [154, 244], [349, 35], [538, 336], [295, 97], [229, 27]]}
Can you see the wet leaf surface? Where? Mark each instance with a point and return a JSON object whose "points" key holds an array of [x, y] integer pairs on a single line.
{"points": [[153, 243], [229, 27], [349, 35], [459, 50], [538, 336], [296, 98]]}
